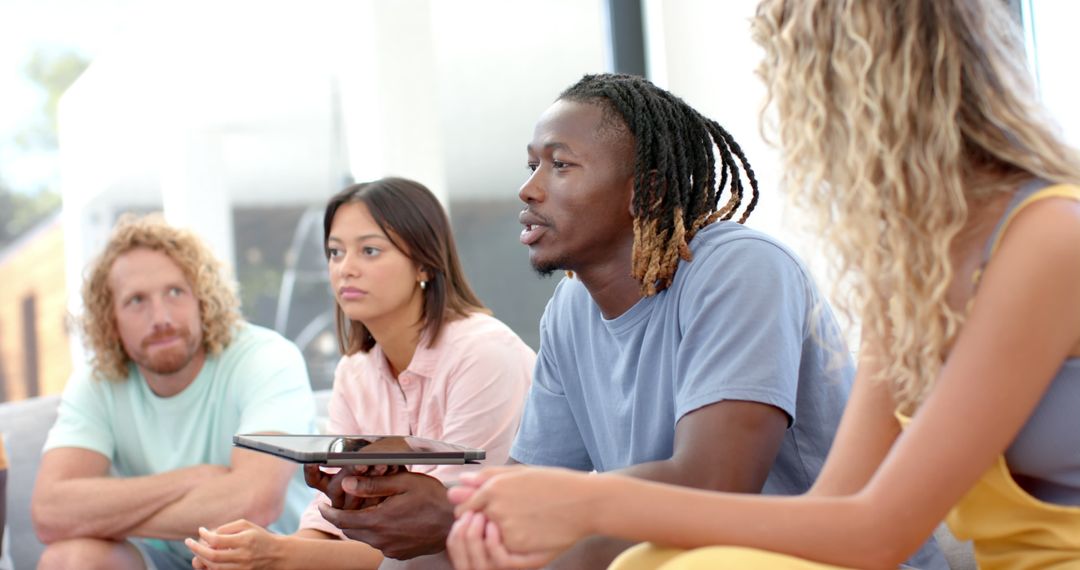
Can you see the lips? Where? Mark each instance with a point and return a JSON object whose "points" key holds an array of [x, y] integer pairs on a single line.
{"points": [[351, 293], [535, 227]]}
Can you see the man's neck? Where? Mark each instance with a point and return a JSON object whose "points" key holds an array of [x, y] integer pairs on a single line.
{"points": [[611, 286], [169, 385]]}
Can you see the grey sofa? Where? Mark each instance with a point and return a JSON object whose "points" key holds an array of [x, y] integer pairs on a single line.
{"points": [[25, 424]]}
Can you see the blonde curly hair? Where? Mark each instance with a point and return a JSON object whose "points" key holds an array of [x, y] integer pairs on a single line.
{"points": [[886, 111], [218, 303]]}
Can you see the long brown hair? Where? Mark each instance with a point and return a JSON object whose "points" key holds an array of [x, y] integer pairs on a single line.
{"points": [[414, 221]]}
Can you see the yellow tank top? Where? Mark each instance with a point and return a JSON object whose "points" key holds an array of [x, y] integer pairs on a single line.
{"points": [[1009, 528]]}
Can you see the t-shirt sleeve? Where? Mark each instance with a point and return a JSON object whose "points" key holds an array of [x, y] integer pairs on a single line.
{"points": [[83, 418], [273, 389], [743, 317], [549, 434]]}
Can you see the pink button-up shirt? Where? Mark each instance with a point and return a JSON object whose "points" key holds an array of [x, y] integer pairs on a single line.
{"points": [[468, 389]]}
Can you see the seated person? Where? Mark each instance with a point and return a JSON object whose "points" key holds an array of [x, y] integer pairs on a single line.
{"points": [[686, 348], [141, 454], [422, 356], [913, 134]]}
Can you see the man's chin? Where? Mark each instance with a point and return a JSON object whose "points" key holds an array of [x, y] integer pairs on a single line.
{"points": [[545, 268]]}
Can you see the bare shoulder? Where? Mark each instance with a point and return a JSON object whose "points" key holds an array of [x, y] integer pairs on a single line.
{"points": [[1049, 227]]}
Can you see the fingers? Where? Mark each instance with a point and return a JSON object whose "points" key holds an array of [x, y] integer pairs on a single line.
{"points": [[204, 554], [477, 478], [367, 487], [474, 542], [238, 525], [316, 478], [219, 541], [462, 542], [345, 520], [503, 558], [460, 494]]}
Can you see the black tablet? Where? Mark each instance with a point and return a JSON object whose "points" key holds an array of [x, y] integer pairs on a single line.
{"points": [[360, 449]]}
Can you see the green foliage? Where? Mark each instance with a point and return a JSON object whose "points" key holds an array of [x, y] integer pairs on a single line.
{"points": [[19, 212], [54, 72]]}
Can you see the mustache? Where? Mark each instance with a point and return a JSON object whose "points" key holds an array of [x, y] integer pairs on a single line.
{"points": [[165, 334]]}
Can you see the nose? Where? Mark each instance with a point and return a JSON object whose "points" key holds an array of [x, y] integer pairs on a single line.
{"points": [[160, 313], [347, 266], [531, 190]]}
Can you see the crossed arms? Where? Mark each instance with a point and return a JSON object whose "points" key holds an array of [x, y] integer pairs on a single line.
{"points": [[76, 497]]}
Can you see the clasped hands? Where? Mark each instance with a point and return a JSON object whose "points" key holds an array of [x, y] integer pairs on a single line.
{"points": [[518, 517]]}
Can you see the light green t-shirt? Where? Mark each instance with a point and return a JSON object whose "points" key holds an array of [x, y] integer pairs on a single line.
{"points": [[259, 383]]}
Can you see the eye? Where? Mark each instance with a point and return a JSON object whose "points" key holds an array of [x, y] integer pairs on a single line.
{"points": [[133, 300], [333, 252], [532, 166], [558, 164], [370, 251], [175, 291]]}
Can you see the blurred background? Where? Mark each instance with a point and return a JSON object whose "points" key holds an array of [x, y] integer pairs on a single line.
{"points": [[238, 119]]}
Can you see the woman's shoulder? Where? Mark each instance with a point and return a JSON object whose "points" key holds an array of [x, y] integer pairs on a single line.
{"points": [[476, 327]]}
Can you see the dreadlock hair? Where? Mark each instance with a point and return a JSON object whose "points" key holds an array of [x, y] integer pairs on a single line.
{"points": [[675, 189]]}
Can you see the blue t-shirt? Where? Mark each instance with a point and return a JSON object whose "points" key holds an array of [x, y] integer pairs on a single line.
{"points": [[259, 383], [742, 321]]}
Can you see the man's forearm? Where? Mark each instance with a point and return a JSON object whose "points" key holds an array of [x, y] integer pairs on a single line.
{"points": [[214, 502], [106, 507]]}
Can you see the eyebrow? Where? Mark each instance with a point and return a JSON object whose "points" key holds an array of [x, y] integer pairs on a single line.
{"points": [[553, 146], [359, 238]]}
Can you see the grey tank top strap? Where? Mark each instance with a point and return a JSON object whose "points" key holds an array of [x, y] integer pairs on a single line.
{"points": [[1025, 190]]}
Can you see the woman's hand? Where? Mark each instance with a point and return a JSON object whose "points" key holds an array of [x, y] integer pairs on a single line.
{"points": [[239, 545], [536, 513], [476, 544]]}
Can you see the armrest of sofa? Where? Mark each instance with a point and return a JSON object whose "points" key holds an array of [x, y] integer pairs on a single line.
{"points": [[25, 425]]}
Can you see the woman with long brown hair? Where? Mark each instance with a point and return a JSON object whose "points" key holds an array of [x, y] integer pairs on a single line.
{"points": [[422, 356]]}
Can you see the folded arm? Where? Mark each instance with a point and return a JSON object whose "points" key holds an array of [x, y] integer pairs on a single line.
{"points": [[74, 496], [253, 488]]}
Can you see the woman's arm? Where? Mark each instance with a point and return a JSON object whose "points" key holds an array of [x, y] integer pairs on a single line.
{"points": [[1024, 322], [867, 430]]}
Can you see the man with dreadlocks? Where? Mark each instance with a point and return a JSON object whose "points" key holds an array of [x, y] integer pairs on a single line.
{"points": [[684, 348]]}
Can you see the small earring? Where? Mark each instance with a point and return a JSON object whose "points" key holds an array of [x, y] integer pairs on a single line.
{"points": [[423, 285]]}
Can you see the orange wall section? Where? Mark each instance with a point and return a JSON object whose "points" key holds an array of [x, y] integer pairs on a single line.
{"points": [[34, 266]]}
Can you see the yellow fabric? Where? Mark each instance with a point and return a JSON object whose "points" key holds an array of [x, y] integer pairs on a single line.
{"points": [[1010, 529], [652, 557]]}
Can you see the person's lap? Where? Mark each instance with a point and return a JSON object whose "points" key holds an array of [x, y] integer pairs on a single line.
{"points": [[652, 557], [131, 554]]}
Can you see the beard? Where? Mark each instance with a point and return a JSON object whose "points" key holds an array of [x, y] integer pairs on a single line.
{"points": [[545, 268], [167, 360]]}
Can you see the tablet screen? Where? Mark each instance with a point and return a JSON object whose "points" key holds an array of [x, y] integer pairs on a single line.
{"points": [[359, 449]]}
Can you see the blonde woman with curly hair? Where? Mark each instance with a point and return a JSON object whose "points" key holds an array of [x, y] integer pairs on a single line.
{"points": [[141, 454], [912, 130]]}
